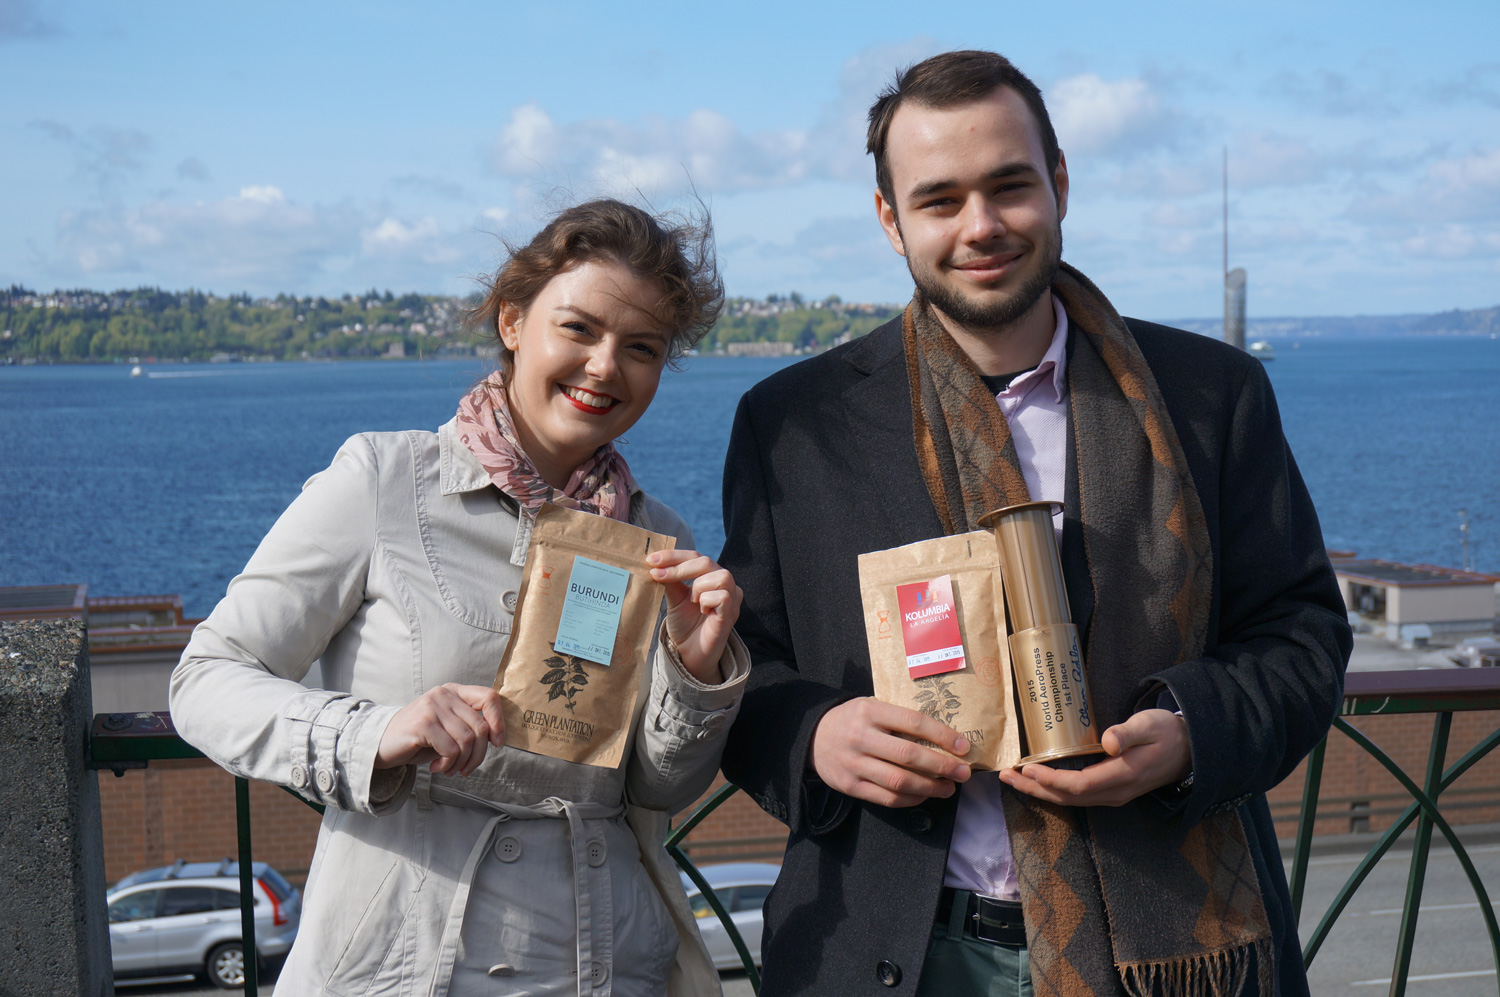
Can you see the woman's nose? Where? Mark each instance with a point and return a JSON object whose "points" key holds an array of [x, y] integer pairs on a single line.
{"points": [[601, 364]]}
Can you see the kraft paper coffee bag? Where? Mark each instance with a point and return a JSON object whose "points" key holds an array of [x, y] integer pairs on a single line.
{"points": [[585, 620], [935, 622]]}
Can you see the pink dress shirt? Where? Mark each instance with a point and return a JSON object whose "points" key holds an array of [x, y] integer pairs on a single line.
{"points": [[1036, 407]]}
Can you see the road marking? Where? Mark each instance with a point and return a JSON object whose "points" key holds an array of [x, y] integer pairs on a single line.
{"points": [[1397, 910], [1436, 852], [1422, 979]]}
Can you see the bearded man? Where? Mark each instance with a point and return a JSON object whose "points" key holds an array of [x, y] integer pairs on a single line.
{"points": [[1213, 631]]}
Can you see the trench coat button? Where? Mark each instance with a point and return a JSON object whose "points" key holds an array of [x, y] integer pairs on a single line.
{"points": [[502, 969], [713, 721], [888, 972], [597, 853], [508, 848], [325, 781], [919, 820], [508, 600], [597, 973], [299, 777]]}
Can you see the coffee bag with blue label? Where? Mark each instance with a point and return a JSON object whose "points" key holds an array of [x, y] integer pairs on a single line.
{"points": [[585, 628]]}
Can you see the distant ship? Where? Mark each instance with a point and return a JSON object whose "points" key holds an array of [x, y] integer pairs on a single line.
{"points": [[1263, 349]]}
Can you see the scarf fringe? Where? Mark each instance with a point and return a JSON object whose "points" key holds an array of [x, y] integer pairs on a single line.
{"points": [[1214, 974]]}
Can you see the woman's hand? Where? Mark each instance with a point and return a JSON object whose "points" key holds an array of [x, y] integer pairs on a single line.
{"points": [[452, 726], [702, 604]]}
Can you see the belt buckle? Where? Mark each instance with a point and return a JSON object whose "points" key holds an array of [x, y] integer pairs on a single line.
{"points": [[992, 924]]}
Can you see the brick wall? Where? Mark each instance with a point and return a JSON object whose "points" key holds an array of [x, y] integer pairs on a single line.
{"points": [[185, 809]]}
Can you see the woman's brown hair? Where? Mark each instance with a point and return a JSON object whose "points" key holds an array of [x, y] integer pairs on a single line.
{"points": [[677, 252]]}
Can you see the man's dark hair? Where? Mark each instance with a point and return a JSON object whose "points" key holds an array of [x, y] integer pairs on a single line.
{"points": [[949, 80]]}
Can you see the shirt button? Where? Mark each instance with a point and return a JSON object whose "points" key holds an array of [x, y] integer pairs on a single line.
{"points": [[325, 781], [597, 853], [888, 973], [597, 973], [920, 821], [508, 848], [508, 600], [299, 777]]}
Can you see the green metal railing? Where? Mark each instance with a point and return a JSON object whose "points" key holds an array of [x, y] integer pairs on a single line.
{"points": [[1388, 694], [124, 741]]}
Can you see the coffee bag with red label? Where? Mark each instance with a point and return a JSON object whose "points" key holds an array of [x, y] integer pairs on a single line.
{"points": [[935, 623]]}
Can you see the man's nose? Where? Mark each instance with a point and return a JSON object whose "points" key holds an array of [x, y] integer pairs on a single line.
{"points": [[981, 220]]}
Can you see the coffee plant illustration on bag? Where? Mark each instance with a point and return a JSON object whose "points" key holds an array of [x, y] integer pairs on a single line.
{"points": [[565, 676]]}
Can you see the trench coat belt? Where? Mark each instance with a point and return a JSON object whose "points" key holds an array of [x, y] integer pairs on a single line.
{"points": [[593, 898]]}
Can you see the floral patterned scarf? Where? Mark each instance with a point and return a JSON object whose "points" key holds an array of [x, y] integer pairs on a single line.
{"points": [[601, 485]]}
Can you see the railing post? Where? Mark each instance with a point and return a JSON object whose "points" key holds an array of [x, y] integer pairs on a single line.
{"points": [[247, 886], [54, 929], [1421, 845], [1312, 782]]}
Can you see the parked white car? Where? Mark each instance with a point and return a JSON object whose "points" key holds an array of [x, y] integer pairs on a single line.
{"points": [[742, 888], [178, 921]]}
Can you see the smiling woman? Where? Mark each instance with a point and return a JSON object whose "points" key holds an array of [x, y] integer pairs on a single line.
{"points": [[455, 857]]}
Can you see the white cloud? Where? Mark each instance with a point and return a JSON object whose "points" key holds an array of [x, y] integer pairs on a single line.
{"points": [[263, 195], [651, 154], [704, 148], [1095, 116], [259, 239], [1265, 159], [1462, 190]]}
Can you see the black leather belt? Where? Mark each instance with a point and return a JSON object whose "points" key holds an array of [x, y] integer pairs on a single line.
{"points": [[987, 919]]}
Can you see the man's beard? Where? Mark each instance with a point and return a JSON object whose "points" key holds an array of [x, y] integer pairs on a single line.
{"points": [[996, 315]]}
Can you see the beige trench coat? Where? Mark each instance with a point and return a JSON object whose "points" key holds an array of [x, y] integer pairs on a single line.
{"points": [[393, 569]]}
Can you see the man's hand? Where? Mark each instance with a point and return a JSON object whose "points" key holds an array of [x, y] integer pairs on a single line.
{"points": [[856, 751], [452, 726], [1147, 752]]}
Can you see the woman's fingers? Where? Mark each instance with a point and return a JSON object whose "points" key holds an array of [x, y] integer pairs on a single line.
{"points": [[452, 724]]}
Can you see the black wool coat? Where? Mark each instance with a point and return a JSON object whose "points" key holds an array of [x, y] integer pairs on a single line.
{"points": [[822, 467]]}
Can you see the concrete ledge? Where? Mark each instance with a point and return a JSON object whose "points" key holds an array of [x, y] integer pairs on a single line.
{"points": [[54, 931]]}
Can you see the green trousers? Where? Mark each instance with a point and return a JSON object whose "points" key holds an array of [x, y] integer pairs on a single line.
{"points": [[959, 966]]}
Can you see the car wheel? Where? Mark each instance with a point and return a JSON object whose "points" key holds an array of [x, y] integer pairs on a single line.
{"points": [[226, 966]]}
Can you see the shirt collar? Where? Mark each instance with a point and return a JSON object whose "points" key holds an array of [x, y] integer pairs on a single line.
{"points": [[460, 469], [1054, 365]]}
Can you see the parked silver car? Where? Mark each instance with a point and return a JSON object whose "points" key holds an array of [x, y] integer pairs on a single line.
{"points": [[180, 920], [741, 888]]}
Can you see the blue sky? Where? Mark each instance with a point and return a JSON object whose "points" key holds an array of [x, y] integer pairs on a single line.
{"points": [[332, 147]]}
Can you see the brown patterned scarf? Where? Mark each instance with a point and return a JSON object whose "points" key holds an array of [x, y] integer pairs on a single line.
{"points": [[1117, 901]]}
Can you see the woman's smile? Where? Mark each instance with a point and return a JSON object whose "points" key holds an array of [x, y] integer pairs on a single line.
{"points": [[588, 401]]}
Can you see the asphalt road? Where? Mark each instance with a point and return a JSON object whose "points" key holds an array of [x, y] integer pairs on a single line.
{"points": [[1452, 957]]}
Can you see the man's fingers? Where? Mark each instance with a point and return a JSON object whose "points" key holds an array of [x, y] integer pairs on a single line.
{"points": [[901, 720]]}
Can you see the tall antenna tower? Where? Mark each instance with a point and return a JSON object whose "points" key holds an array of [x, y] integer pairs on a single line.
{"points": [[1234, 280]]}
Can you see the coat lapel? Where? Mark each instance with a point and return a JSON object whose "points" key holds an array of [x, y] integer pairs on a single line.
{"points": [[877, 445]]}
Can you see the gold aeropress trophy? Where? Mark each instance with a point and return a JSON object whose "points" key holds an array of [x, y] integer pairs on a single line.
{"points": [[1044, 651]]}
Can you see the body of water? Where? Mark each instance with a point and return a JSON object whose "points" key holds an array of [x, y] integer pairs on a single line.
{"points": [[165, 483]]}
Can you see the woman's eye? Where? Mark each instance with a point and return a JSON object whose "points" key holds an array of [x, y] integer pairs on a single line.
{"points": [[645, 351], [578, 327]]}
